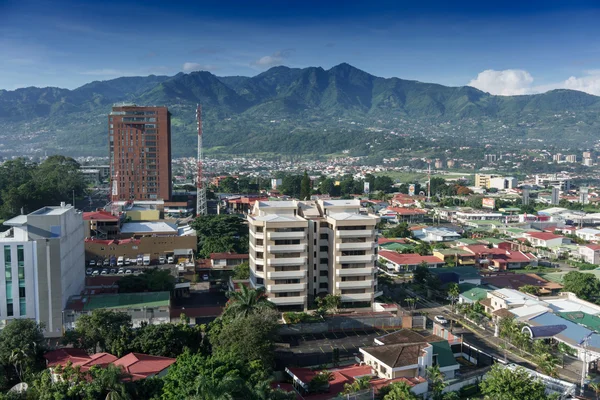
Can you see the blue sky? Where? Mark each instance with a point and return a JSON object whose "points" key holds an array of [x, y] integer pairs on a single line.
{"points": [[510, 48]]}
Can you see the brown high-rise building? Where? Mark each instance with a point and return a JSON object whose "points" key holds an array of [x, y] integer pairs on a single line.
{"points": [[140, 152]]}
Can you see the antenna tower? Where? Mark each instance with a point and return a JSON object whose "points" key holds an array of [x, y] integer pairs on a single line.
{"points": [[201, 208], [429, 181]]}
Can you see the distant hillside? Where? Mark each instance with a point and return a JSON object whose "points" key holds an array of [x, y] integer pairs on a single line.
{"points": [[289, 110]]}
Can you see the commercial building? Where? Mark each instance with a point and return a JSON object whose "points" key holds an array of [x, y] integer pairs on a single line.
{"points": [[561, 181], [503, 183], [555, 199], [140, 152], [43, 260], [303, 249]]}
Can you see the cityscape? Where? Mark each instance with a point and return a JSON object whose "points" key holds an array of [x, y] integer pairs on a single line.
{"points": [[266, 224]]}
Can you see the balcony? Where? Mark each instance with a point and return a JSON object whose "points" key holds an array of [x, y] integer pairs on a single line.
{"points": [[260, 249], [366, 259], [323, 242], [357, 297], [355, 246], [287, 287], [287, 248], [354, 284], [286, 261], [286, 235], [259, 261], [286, 274], [354, 233], [257, 235], [285, 301], [355, 271]]}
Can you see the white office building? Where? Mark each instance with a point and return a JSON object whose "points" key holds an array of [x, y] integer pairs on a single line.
{"points": [[43, 259]]}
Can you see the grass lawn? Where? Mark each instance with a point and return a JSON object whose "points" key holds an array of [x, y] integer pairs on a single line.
{"points": [[541, 270]]}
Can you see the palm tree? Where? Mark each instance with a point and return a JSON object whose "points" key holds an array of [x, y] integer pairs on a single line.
{"points": [[423, 248], [320, 382], [548, 364], [247, 301], [17, 358], [453, 293], [436, 381], [595, 386], [109, 380], [362, 383], [410, 302], [398, 391]]}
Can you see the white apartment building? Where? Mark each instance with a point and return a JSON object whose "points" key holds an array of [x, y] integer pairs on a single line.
{"points": [[43, 259], [302, 249]]}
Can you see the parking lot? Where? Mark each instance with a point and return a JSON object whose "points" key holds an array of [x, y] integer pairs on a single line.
{"points": [[347, 341]]}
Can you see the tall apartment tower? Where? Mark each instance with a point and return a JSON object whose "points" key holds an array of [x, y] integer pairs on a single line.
{"points": [[555, 198], [302, 249], [140, 152], [44, 264]]}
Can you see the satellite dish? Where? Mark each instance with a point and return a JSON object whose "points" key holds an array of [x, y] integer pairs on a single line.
{"points": [[19, 388]]}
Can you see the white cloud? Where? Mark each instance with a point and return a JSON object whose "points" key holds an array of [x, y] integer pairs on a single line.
{"points": [[506, 83], [274, 59], [517, 81], [192, 66]]}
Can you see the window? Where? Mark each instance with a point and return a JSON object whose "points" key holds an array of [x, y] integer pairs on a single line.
{"points": [[9, 308], [324, 260], [323, 285], [323, 273], [22, 307], [324, 248], [21, 292], [20, 254]]}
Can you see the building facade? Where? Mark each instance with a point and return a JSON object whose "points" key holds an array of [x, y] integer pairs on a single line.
{"points": [[140, 152], [302, 249], [43, 259]]}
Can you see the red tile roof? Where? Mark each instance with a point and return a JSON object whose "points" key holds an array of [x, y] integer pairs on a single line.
{"points": [[77, 357], [406, 211], [409, 259], [482, 249], [543, 235], [594, 247], [99, 216], [383, 240], [141, 366]]}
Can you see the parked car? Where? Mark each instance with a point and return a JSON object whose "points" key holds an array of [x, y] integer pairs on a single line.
{"points": [[96, 272], [89, 271], [120, 261], [104, 272], [127, 261], [121, 271], [205, 277], [440, 319], [113, 271], [170, 260], [92, 263], [162, 259], [128, 272], [106, 262]]}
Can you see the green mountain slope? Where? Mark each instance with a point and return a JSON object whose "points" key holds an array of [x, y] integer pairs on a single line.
{"points": [[291, 110]]}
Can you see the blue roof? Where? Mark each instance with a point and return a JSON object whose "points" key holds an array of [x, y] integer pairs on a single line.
{"points": [[573, 334], [546, 331]]}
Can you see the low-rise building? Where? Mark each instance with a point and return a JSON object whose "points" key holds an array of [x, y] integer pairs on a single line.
{"points": [[458, 275], [456, 256], [403, 214], [590, 253], [227, 260], [150, 308], [588, 234], [407, 262], [545, 239], [435, 234]]}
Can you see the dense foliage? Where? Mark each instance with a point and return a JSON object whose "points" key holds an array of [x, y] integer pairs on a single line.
{"points": [[505, 384], [151, 280], [585, 286], [220, 233], [31, 186]]}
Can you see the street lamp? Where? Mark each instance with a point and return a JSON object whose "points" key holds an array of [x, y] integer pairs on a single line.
{"points": [[584, 343]]}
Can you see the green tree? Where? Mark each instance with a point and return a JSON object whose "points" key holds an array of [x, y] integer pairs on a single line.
{"points": [[22, 346], [291, 185], [585, 286], [502, 383], [383, 183], [107, 383], [166, 340], [398, 231], [250, 337], [421, 274], [101, 330], [595, 386], [397, 391], [209, 388], [362, 383], [424, 248], [320, 382], [305, 188], [242, 271], [229, 185], [151, 280], [246, 302], [436, 381], [453, 293], [220, 233], [530, 289]]}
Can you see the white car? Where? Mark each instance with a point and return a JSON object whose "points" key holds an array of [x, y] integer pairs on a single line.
{"points": [[89, 271], [104, 272], [92, 263], [121, 271], [95, 273], [128, 272], [170, 260], [127, 261], [440, 319]]}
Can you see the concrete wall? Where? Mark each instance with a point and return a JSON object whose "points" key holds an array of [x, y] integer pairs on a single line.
{"points": [[155, 246]]}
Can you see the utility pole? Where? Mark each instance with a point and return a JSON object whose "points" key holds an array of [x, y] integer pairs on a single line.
{"points": [[201, 208], [584, 344]]}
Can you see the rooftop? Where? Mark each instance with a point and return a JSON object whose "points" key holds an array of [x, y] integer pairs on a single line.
{"points": [[397, 355], [100, 216], [119, 301], [344, 216], [409, 258], [149, 227], [462, 272]]}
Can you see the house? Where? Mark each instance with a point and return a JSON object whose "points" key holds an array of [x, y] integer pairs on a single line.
{"points": [[470, 293], [545, 239], [590, 253], [101, 224], [407, 354], [455, 255], [507, 299], [403, 214], [588, 234], [408, 262], [500, 259], [458, 275], [516, 281], [227, 260], [435, 234], [405, 200], [135, 365]]}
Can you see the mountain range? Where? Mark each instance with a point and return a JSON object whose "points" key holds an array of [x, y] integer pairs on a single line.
{"points": [[289, 110]]}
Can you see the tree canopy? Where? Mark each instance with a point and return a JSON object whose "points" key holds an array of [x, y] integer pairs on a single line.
{"points": [[151, 280], [502, 383], [220, 233], [585, 286]]}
